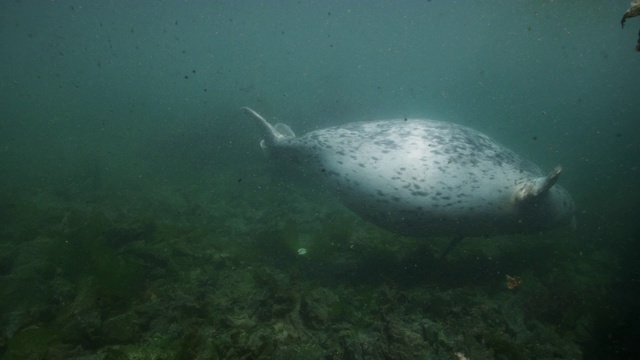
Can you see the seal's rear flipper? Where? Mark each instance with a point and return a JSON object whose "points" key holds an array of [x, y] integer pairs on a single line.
{"points": [[272, 134]]}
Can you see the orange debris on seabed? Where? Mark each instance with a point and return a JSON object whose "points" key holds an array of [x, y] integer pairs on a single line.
{"points": [[513, 281]]}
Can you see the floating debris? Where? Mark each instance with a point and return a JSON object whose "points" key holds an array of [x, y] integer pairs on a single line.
{"points": [[513, 282], [634, 10]]}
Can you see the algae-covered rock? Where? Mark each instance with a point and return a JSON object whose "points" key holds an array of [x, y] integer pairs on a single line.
{"points": [[7, 258], [120, 329], [402, 341], [3, 344], [27, 284], [318, 308], [127, 233], [299, 352], [503, 347], [82, 329], [279, 245], [115, 354], [30, 343], [194, 345]]}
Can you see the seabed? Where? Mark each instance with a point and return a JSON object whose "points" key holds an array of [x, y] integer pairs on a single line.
{"points": [[171, 271]]}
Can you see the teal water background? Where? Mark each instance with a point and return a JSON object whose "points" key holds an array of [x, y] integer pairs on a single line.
{"points": [[133, 107]]}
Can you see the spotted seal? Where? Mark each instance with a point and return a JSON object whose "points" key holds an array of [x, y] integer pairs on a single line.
{"points": [[425, 177]]}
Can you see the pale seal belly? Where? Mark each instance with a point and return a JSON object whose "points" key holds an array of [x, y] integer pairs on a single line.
{"points": [[425, 177]]}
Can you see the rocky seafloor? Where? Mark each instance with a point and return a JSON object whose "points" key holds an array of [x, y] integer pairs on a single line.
{"points": [[182, 273]]}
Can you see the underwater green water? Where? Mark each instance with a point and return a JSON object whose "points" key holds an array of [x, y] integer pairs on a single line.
{"points": [[139, 218]]}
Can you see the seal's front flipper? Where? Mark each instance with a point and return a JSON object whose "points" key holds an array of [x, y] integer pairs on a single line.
{"points": [[535, 188]]}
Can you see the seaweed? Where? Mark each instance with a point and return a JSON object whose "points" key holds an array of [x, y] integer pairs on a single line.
{"points": [[147, 286], [32, 342], [503, 348]]}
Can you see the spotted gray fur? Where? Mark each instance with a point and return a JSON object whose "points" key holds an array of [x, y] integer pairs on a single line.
{"points": [[426, 177]]}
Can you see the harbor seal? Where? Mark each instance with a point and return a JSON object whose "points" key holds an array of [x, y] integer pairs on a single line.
{"points": [[425, 177]]}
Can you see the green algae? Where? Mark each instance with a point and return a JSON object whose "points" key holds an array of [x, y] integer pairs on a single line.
{"points": [[32, 342], [88, 250], [135, 286], [503, 348], [279, 245]]}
